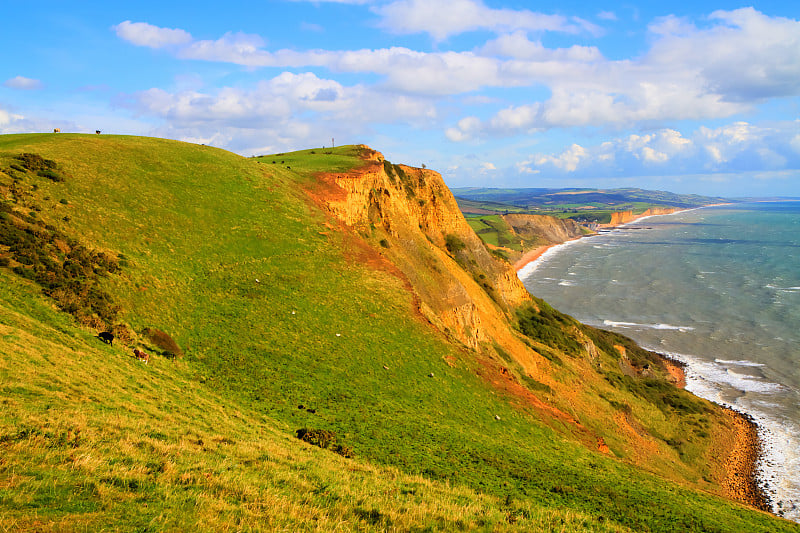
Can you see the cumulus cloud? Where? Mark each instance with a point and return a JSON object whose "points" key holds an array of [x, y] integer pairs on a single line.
{"points": [[442, 19], [734, 147], [294, 110], [7, 118], [746, 58], [144, 34], [22, 83]]}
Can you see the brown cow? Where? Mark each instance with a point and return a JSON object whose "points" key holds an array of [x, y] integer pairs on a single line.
{"points": [[56, 130], [141, 356]]}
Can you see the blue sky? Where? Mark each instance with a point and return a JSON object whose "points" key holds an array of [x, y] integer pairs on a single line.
{"points": [[696, 97]]}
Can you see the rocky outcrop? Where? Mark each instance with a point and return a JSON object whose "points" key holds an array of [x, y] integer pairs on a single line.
{"points": [[412, 217]]}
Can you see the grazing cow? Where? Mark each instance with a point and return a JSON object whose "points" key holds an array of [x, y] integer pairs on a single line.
{"points": [[107, 337], [97, 132], [56, 130], [141, 356]]}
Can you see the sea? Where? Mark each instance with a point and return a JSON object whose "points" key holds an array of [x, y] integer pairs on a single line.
{"points": [[717, 288]]}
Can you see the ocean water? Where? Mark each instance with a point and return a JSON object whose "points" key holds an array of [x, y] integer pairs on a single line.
{"points": [[717, 288]]}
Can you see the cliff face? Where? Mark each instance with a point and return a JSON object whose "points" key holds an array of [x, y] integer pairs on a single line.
{"points": [[543, 228], [623, 217], [462, 289]]}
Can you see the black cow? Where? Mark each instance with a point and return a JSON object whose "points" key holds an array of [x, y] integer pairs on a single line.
{"points": [[107, 337]]}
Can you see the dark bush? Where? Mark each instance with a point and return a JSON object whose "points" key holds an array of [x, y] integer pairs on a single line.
{"points": [[547, 326], [324, 439], [67, 273], [453, 243], [51, 175], [35, 162]]}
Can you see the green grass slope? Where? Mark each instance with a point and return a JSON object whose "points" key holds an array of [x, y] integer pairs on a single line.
{"points": [[273, 312]]}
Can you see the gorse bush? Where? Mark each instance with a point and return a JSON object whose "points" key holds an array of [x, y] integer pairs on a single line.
{"points": [[67, 271], [46, 168], [546, 325], [324, 439], [453, 243]]}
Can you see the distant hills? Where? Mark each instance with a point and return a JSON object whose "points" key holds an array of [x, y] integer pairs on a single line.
{"points": [[580, 204]]}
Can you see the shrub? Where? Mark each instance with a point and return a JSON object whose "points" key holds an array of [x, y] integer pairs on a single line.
{"points": [[67, 272], [324, 439], [51, 175], [35, 162], [453, 243]]}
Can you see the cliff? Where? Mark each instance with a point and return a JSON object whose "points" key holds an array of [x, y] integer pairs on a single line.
{"points": [[411, 214], [543, 229], [623, 217]]}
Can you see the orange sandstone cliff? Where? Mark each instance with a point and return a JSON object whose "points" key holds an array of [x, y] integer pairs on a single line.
{"points": [[623, 217], [461, 288]]}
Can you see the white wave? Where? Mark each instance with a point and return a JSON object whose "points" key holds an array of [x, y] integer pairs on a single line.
{"points": [[743, 362], [613, 323], [782, 289], [779, 463], [566, 283], [528, 269]]}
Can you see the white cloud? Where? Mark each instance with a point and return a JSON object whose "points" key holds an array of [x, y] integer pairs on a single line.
{"points": [[795, 143], [7, 118], [144, 34], [23, 83], [607, 15], [442, 19], [293, 110], [736, 146], [568, 160], [746, 57], [517, 45]]}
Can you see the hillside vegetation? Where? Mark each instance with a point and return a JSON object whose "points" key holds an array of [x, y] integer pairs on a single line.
{"points": [[275, 303]]}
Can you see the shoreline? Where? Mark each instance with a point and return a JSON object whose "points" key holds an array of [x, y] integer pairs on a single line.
{"points": [[535, 254], [741, 482]]}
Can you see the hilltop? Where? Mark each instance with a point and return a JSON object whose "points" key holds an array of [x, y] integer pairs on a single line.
{"points": [[326, 294]]}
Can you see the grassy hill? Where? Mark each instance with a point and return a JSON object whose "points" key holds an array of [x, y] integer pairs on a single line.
{"points": [[283, 326]]}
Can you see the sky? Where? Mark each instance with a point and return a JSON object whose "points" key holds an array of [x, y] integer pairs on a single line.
{"points": [[691, 97]]}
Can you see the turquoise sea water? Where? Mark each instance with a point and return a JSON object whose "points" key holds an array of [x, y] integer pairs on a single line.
{"points": [[717, 288]]}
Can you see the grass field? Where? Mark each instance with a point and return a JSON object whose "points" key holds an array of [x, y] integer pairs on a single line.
{"points": [[228, 257]]}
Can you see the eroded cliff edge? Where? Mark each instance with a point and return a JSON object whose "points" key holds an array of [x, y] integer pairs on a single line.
{"points": [[461, 288]]}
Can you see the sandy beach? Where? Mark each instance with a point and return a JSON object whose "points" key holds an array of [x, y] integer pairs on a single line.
{"points": [[532, 255]]}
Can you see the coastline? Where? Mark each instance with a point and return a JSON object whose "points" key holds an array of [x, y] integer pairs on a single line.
{"points": [[741, 480], [535, 254], [741, 476]]}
